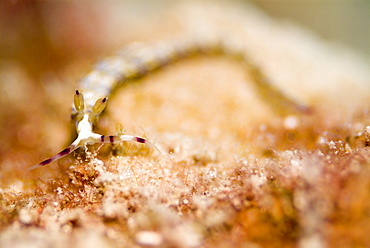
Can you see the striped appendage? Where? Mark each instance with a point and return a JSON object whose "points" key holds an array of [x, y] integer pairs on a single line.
{"points": [[59, 155], [137, 60], [85, 134]]}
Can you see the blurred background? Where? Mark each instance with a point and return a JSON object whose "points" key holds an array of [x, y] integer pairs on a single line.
{"points": [[343, 22], [42, 41], [56, 31]]}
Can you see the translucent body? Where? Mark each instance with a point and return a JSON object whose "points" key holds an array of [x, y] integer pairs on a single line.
{"points": [[138, 60]]}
